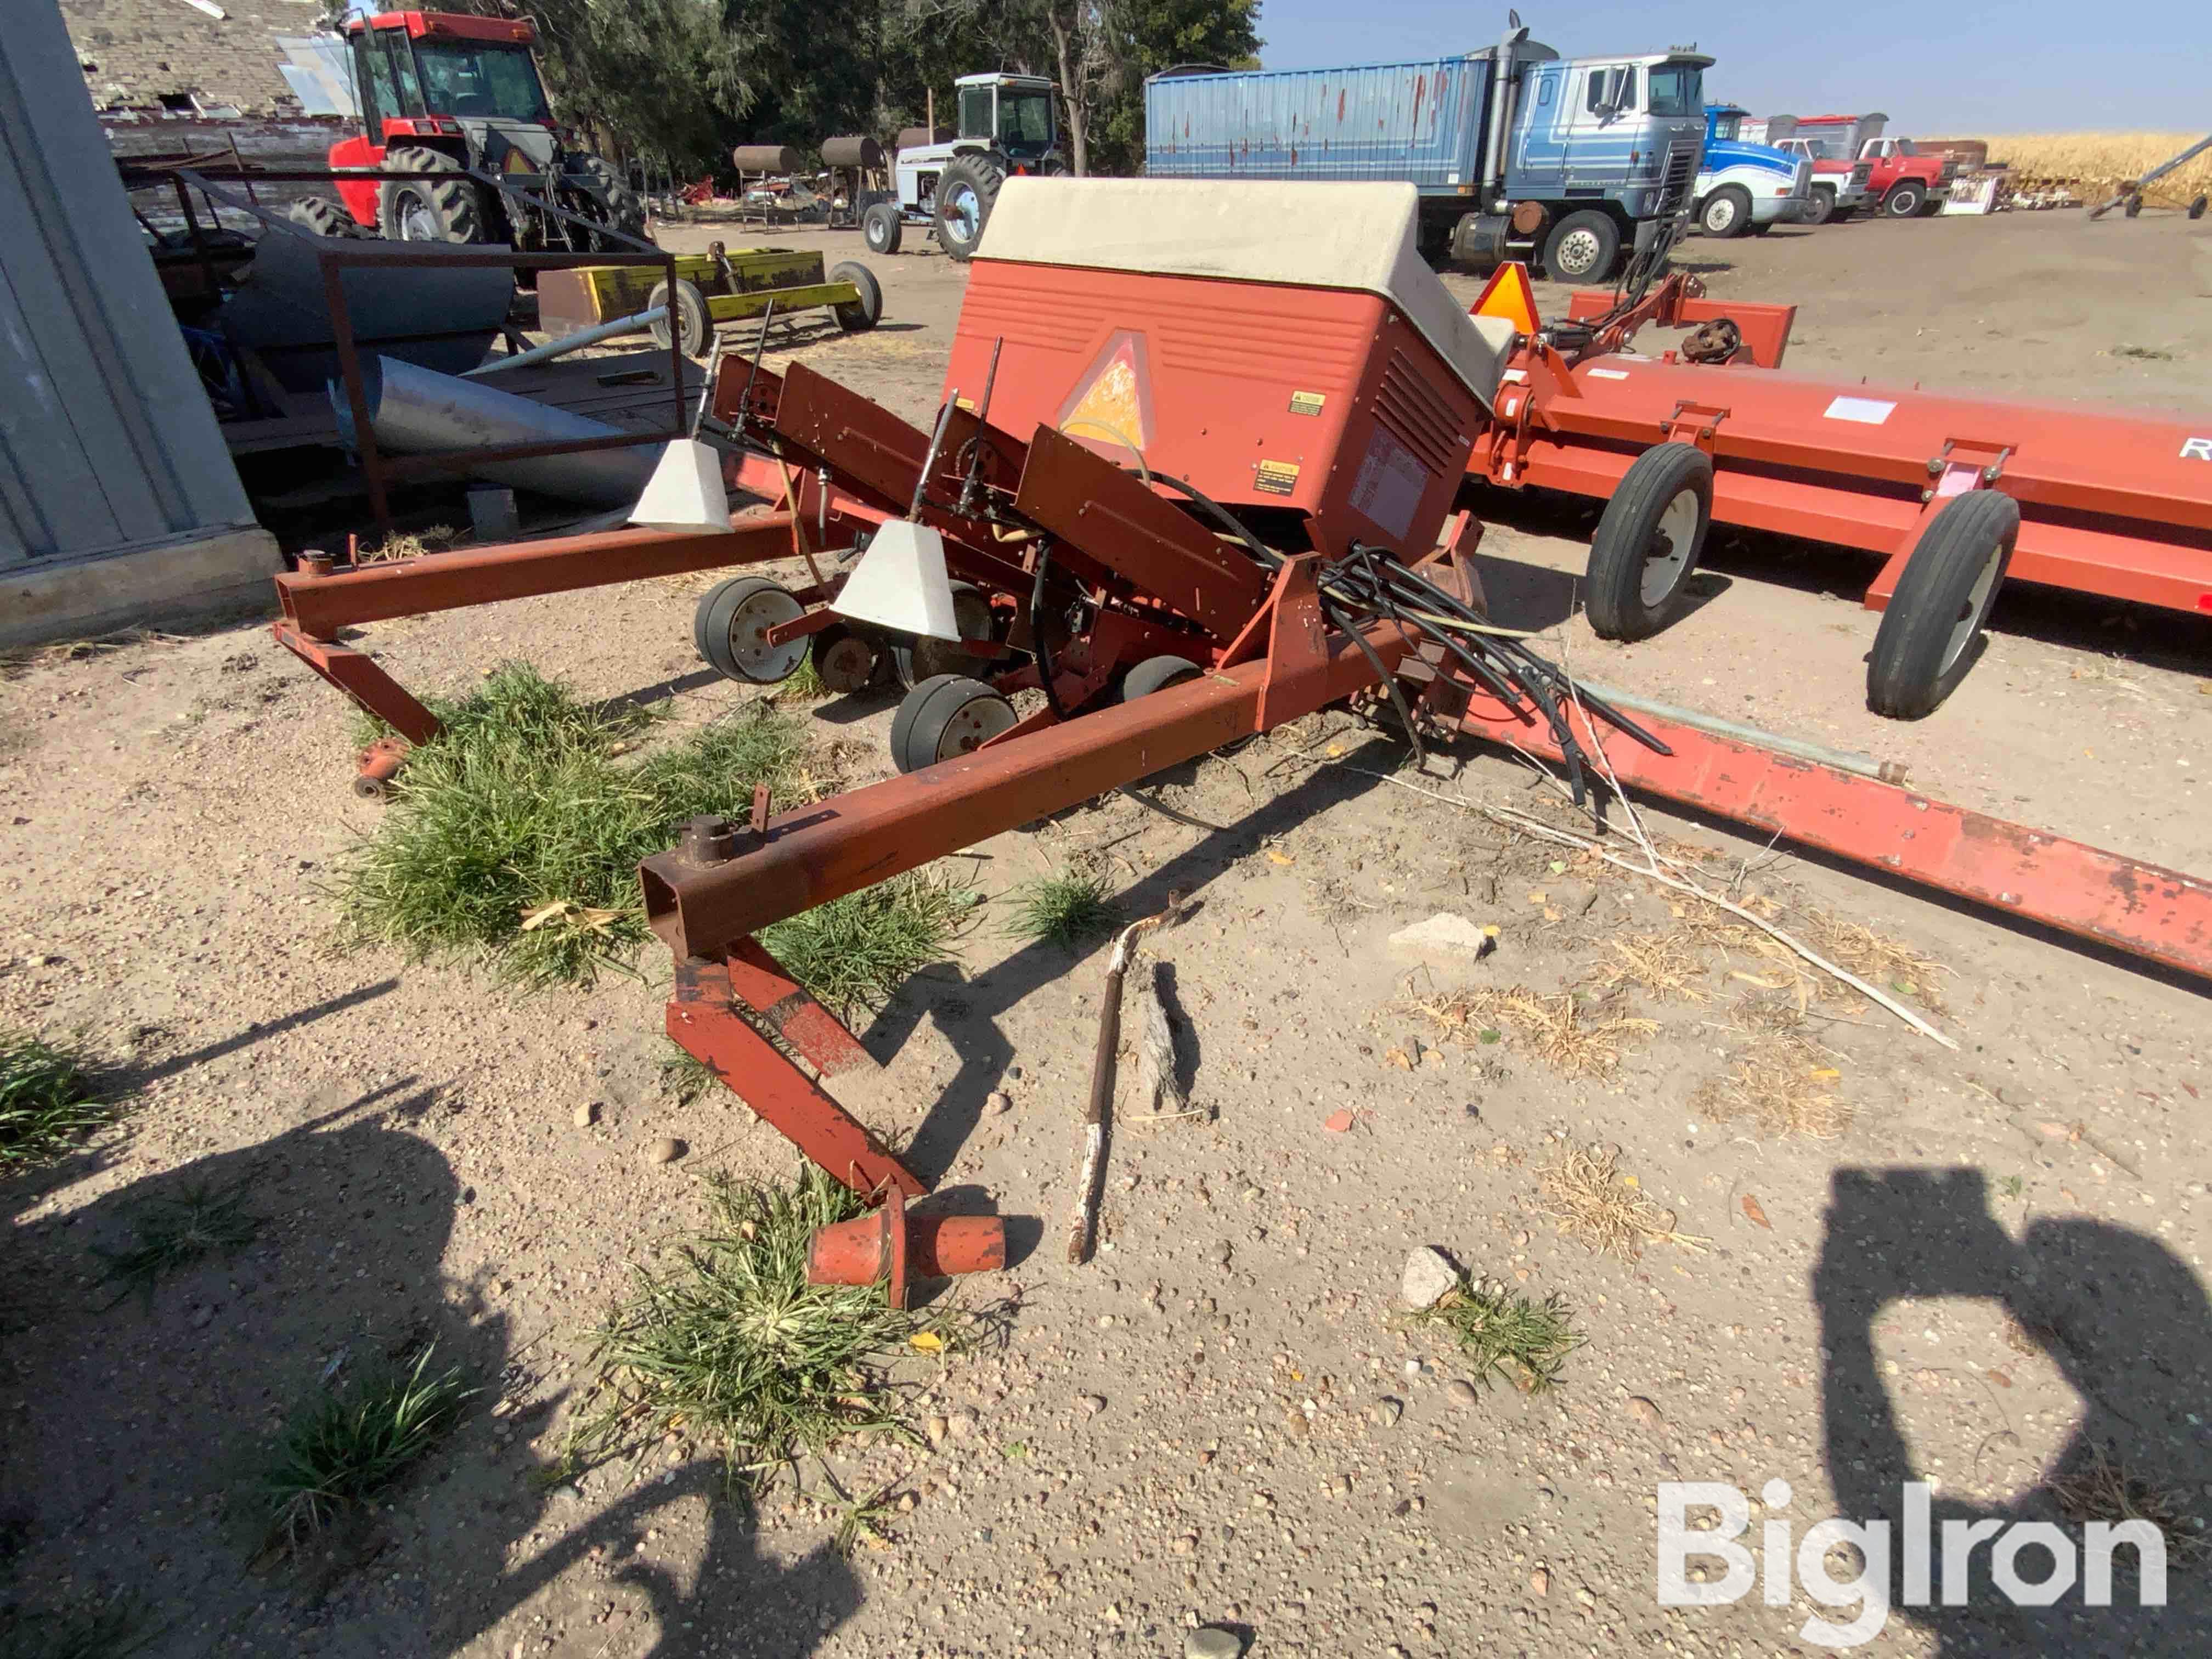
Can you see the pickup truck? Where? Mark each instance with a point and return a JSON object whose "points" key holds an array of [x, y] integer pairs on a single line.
{"points": [[1904, 183]]}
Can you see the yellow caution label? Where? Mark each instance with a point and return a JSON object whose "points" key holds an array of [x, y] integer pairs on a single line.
{"points": [[1276, 477], [968, 403], [1307, 402]]}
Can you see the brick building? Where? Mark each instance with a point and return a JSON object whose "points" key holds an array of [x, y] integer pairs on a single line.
{"points": [[164, 54]]}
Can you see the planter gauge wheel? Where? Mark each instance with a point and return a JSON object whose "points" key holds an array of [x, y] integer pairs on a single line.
{"points": [[731, 630], [944, 718]]}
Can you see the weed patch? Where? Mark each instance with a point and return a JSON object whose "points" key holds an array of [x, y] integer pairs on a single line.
{"points": [[48, 1100], [855, 950], [514, 838], [175, 1232], [1781, 1086], [1063, 909], [1505, 1334], [346, 1446], [1586, 1196], [736, 1352], [1561, 1028]]}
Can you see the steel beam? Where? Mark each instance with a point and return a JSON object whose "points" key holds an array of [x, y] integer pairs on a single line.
{"points": [[2141, 909]]}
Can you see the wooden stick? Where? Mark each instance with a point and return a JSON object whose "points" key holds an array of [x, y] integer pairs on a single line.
{"points": [[1082, 1224], [1156, 1056]]}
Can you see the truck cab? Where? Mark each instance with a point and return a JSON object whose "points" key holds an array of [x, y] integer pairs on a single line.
{"points": [[1902, 182], [1616, 139], [1746, 186]]}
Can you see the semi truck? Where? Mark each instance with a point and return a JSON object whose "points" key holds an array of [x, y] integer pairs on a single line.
{"points": [[1516, 152], [1745, 186]]}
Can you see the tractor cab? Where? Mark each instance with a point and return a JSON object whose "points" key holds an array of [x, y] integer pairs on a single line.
{"points": [[446, 92], [1011, 114]]}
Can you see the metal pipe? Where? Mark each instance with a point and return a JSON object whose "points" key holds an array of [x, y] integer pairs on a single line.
{"points": [[1843, 760], [1501, 111], [417, 411], [568, 344]]}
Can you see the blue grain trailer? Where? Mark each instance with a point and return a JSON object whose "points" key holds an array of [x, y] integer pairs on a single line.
{"points": [[1577, 158]]}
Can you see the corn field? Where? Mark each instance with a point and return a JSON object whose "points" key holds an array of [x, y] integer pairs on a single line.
{"points": [[2099, 163]]}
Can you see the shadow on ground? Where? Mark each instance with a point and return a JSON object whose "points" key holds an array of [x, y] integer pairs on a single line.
{"points": [[135, 1430], [2121, 1316]]}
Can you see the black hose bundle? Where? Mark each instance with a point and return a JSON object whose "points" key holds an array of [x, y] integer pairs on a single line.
{"points": [[1369, 584]]}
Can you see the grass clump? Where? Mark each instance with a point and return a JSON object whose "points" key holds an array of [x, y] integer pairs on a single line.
{"points": [[1063, 909], [855, 950], [805, 684], [738, 1351], [175, 1232], [47, 1101], [1504, 1334], [2100, 1488], [1781, 1086], [1562, 1029], [515, 837], [1587, 1197], [346, 1446]]}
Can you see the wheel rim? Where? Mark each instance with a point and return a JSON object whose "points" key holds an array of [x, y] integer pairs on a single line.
{"points": [[1579, 251], [848, 665], [756, 660], [416, 222], [1721, 215], [974, 723], [963, 212], [1975, 611], [1667, 560]]}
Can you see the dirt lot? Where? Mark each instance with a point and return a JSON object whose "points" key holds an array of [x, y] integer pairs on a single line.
{"points": [[1985, 1270]]}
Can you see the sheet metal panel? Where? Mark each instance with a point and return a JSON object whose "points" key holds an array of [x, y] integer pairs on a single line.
{"points": [[1420, 121], [106, 441]]}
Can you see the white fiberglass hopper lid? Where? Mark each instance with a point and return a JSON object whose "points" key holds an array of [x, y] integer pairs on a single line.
{"points": [[1361, 237]]}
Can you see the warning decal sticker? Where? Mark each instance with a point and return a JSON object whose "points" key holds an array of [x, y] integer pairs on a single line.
{"points": [[1391, 483], [1276, 477], [1307, 402]]}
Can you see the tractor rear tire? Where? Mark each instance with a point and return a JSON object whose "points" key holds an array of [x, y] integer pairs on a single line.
{"points": [[427, 210], [944, 717], [882, 226], [1726, 212], [1648, 541], [967, 191], [1583, 247], [321, 216], [1905, 200], [695, 327], [619, 207], [860, 316], [1927, 640]]}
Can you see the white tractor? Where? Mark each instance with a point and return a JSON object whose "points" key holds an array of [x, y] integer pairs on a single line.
{"points": [[1007, 126]]}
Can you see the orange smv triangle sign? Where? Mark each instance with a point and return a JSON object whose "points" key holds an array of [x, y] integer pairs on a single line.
{"points": [[1507, 295]]}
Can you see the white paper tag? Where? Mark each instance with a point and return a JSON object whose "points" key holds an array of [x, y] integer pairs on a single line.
{"points": [[1867, 411], [1607, 374]]}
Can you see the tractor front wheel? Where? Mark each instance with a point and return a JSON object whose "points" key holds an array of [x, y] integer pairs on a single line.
{"points": [[321, 216], [614, 203], [966, 192], [427, 210], [881, 227]]}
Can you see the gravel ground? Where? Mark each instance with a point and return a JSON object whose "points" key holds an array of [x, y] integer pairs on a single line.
{"points": [[1985, 1273]]}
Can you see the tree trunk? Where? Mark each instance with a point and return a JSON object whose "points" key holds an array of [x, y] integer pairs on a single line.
{"points": [[1071, 91]]}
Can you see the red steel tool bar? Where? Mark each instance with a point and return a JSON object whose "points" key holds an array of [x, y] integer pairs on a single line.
{"points": [[2143, 910]]}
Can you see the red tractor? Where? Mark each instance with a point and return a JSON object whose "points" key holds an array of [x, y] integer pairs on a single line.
{"points": [[442, 92]]}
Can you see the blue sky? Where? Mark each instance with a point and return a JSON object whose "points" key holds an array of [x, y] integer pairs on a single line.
{"points": [[1939, 68]]}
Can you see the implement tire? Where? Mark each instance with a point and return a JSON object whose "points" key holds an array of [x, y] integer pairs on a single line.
{"points": [[1648, 541], [1927, 640]]}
